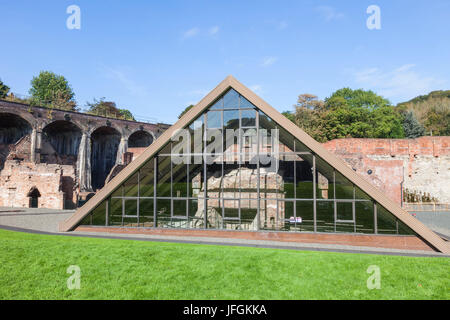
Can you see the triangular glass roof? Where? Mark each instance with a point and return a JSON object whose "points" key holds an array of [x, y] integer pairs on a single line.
{"points": [[232, 164]]}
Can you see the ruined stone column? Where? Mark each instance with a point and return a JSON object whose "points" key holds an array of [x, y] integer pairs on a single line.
{"points": [[36, 139], [123, 147], [84, 163]]}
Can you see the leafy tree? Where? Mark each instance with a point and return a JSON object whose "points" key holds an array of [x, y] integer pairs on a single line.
{"points": [[412, 127], [185, 110], [4, 89], [360, 98], [108, 109], [348, 113], [51, 90]]}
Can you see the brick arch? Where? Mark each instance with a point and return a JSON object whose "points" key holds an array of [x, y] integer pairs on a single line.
{"points": [[105, 141], [139, 135]]}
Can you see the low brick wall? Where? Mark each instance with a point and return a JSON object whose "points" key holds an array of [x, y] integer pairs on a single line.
{"points": [[376, 241]]}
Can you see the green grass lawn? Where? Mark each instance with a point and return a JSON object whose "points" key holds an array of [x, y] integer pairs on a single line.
{"points": [[34, 267]]}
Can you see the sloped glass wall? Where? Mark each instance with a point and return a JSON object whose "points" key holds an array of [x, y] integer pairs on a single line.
{"points": [[234, 168]]}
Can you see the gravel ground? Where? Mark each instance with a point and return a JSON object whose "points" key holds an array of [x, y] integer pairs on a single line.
{"points": [[36, 219], [438, 221]]}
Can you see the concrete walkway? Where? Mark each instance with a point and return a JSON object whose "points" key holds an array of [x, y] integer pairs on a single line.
{"points": [[45, 221]]}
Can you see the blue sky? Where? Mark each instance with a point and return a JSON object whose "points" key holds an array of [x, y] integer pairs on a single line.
{"points": [[157, 57]]}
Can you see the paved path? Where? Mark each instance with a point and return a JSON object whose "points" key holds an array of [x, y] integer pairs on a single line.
{"points": [[45, 221], [35, 219]]}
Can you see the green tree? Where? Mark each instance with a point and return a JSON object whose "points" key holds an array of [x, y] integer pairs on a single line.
{"points": [[412, 127], [52, 90], [185, 110], [360, 114], [108, 109], [4, 89]]}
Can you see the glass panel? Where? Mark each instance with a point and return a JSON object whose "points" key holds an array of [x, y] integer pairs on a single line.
{"points": [[325, 216], [196, 129], [364, 217], [163, 213], [214, 210], [218, 104], [231, 119], [195, 179], [245, 103], [130, 207], [115, 212], [268, 213], [231, 100], [300, 147], [305, 212], [248, 217], [146, 212], [164, 175], [286, 215], [179, 180], [196, 216], [344, 212], [231, 181], [324, 180], [130, 222], [286, 140], [147, 175], [248, 118], [344, 188], [214, 180], [386, 221], [214, 119], [286, 172], [98, 216], [304, 177], [179, 208], [131, 186]]}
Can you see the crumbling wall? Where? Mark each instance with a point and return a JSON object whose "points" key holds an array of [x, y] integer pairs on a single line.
{"points": [[421, 166], [18, 178]]}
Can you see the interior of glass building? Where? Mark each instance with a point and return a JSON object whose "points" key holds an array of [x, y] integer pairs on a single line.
{"points": [[238, 169]]}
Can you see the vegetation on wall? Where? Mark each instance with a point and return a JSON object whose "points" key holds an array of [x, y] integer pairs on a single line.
{"points": [[108, 109], [4, 89]]}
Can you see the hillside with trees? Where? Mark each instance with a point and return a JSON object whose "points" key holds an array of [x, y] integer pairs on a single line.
{"points": [[432, 111]]}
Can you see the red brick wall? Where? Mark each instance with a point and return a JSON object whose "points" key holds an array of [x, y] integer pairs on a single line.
{"points": [[394, 160]]}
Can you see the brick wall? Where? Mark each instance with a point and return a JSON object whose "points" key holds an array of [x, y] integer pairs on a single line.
{"points": [[422, 164]]}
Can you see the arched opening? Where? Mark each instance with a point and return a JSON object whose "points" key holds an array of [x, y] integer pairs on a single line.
{"points": [[104, 145], [64, 137], [12, 129], [34, 196], [140, 139]]}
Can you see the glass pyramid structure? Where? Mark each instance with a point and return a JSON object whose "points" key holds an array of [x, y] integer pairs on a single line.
{"points": [[234, 163]]}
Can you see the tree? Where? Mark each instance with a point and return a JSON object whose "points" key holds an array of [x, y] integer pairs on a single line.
{"points": [[4, 89], [108, 109], [307, 115], [412, 127], [51, 90], [432, 111], [185, 110], [361, 114], [348, 113]]}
